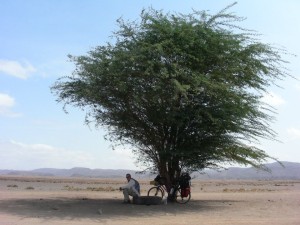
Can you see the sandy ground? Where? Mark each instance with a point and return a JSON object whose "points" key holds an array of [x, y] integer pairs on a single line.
{"points": [[32, 201]]}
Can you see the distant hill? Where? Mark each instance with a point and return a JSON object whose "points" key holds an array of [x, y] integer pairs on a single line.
{"points": [[73, 172], [289, 171]]}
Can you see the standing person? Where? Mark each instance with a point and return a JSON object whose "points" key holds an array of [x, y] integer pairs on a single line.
{"points": [[132, 188]]}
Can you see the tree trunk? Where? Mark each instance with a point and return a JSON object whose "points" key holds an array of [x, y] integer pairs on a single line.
{"points": [[171, 172]]}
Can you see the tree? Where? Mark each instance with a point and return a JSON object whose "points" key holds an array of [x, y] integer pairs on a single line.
{"points": [[183, 90]]}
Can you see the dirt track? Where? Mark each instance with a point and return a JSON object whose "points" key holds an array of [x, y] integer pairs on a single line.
{"points": [[52, 201]]}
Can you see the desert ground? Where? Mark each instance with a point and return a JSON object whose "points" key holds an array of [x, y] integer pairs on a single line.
{"points": [[89, 201]]}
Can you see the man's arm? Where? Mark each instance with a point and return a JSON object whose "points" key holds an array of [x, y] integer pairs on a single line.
{"points": [[130, 184]]}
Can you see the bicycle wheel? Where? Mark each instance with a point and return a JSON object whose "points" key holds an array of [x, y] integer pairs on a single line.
{"points": [[155, 191], [180, 199]]}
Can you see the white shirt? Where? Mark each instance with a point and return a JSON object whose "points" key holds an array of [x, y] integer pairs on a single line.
{"points": [[131, 185]]}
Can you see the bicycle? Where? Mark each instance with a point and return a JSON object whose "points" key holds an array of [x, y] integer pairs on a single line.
{"points": [[178, 192]]}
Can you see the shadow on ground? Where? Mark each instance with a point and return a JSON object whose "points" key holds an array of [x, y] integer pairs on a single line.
{"points": [[99, 209]]}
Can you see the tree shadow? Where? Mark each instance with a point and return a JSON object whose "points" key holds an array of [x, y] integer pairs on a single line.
{"points": [[101, 209]]}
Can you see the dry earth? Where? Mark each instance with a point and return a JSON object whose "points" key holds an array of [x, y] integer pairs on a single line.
{"points": [[47, 200]]}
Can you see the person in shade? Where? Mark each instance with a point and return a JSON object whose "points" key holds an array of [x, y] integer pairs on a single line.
{"points": [[132, 188]]}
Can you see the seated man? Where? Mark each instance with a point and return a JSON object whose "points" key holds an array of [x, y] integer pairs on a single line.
{"points": [[132, 188]]}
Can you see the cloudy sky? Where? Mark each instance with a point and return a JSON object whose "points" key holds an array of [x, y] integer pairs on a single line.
{"points": [[36, 37]]}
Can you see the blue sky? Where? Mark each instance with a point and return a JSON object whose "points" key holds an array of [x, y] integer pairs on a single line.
{"points": [[36, 37]]}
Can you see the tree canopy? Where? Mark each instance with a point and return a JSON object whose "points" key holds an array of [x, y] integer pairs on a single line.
{"points": [[183, 90]]}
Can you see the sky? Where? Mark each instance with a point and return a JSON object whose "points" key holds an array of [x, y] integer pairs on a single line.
{"points": [[36, 37]]}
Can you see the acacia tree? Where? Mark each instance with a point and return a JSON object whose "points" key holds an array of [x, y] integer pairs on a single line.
{"points": [[183, 90]]}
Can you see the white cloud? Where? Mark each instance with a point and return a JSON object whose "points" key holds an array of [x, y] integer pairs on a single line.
{"points": [[16, 69], [20, 156], [273, 99], [294, 133], [6, 103], [23, 156], [297, 86], [121, 158]]}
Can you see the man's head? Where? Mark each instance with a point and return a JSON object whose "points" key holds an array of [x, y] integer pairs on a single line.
{"points": [[128, 176]]}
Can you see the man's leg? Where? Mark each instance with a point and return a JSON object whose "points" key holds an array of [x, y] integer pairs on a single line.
{"points": [[126, 195], [132, 193]]}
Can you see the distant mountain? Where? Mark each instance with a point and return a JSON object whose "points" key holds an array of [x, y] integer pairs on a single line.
{"points": [[82, 172], [289, 171], [73, 172]]}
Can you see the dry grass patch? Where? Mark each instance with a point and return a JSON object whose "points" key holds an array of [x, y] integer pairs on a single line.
{"points": [[29, 188], [105, 189], [12, 185], [247, 190]]}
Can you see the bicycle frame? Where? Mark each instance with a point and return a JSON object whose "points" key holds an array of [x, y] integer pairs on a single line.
{"points": [[162, 188], [176, 193]]}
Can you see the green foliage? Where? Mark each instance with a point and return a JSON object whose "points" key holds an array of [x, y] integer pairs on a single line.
{"points": [[183, 90]]}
